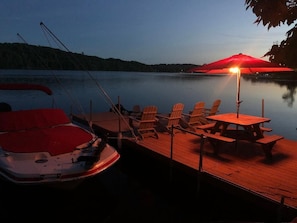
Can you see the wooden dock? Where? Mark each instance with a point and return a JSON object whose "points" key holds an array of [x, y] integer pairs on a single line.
{"points": [[242, 169]]}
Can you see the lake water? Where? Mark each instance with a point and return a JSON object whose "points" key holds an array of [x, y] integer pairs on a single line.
{"points": [[73, 90], [135, 190]]}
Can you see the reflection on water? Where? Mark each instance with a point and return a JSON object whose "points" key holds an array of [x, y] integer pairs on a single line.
{"points": [[291, 85], [289, 95], [74, 90]]}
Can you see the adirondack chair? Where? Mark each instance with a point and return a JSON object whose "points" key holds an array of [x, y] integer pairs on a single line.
{"points": [[171, 119], [214, 108], [210, 111], [136, 111], [145, 125], [193, 118]]}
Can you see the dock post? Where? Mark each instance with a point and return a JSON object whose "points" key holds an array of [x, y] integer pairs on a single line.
{"points": [[280, 208], [119, 139], [201, 154], [262, 110], [171, 155], [200, 165]]}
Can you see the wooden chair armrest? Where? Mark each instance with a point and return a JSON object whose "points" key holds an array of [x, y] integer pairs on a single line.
{"points": [[185, 114], [133, 118], [162, 116], [207, 110]]}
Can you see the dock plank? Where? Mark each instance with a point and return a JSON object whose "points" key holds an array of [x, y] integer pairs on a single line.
{"points": [[271, 180], [244, 166]]}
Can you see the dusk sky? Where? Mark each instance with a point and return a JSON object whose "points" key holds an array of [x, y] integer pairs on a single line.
{"points": [[150, 32]]}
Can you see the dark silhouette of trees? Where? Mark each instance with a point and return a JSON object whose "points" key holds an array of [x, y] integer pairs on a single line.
{"points": [[25, 56], [273, 13]]}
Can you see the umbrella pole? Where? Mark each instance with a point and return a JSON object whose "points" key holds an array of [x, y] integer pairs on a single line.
{"points": [[238, 92], [238, 74]]}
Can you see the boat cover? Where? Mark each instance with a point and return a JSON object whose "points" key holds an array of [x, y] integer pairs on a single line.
{"points": [[40, 130]]}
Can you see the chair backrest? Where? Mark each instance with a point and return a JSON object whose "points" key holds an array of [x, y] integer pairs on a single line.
{"points": [[148, 117], [215, 107], [197, 113], [175, 114], [136, 109]]}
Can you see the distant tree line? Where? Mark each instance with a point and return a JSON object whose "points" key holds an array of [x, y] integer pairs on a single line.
{"points": [[25, 56]]}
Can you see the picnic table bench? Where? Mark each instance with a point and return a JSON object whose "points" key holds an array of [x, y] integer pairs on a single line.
{"points": [[207, 126], [268, 142], [216, 139], [265, 129]]}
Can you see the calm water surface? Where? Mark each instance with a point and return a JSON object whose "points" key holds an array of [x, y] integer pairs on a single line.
{"points": [[142, 194], [73, 90]]}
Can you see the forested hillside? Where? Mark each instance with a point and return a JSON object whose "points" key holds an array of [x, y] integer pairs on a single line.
{"points": [[25, 56]]}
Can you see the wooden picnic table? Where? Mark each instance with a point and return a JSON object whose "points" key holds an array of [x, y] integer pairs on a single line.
{"points": [[249, 123], [247, 127]]}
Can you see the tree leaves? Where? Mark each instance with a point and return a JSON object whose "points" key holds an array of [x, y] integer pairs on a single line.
{"points": [[273, 13]]}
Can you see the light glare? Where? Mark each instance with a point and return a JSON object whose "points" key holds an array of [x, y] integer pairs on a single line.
{"points": [[234, 70]]}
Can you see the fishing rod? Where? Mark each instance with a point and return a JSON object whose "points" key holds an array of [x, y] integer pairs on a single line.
{"points": [[45, 28], [52, 34], [106, 96], [19, 35], [59, 82]]}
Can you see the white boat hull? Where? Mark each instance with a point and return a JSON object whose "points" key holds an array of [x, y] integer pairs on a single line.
{"points": [[41, 168], [42, 146]]}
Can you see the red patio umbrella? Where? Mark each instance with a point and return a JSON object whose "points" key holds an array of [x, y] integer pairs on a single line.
{"points": [[239, 64]]}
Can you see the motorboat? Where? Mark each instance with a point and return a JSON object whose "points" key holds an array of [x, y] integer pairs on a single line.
{"points": [[43, 146]]}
